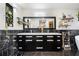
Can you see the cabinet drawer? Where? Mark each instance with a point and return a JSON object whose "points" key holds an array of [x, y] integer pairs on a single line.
{"points": [[39, 43], [29, 47], [58, 44], [49, 48], [50, 45]]}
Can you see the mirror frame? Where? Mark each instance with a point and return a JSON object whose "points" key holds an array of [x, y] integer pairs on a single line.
{"points": [[40, 17]]}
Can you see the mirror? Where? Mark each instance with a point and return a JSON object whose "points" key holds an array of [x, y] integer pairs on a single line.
{"points": [[40, 22]]}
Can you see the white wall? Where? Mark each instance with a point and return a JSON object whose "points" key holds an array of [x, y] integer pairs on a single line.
{"points": [[58, 13], [2, 16], [17, 13]]}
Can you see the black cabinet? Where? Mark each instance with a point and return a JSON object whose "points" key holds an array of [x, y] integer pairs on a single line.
{"points": [[39, 42]]}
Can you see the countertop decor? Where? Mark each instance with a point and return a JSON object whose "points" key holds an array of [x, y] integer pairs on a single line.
{"points": [[65, 21]]}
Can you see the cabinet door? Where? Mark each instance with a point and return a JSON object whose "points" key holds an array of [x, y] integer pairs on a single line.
{"points": [[29, 43]]}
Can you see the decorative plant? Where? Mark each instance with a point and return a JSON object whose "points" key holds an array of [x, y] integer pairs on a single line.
{"points": [[9, 15], [78, 15]]}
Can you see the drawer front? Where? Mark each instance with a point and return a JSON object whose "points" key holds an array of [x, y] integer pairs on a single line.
{"points": [[49, 48], [39, 44], [21, 43], [29, 46], [49, 44]]}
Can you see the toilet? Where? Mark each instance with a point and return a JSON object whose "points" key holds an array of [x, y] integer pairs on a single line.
{"points": [[77, 41]]}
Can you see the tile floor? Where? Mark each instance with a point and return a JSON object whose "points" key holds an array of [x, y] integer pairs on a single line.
{"points": [[51, 53]]}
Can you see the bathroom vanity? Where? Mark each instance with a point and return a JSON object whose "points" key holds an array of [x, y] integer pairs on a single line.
{"points": [[39, 41]]}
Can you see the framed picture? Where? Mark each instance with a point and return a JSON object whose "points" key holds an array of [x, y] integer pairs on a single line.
{"points": [[9, 15]]}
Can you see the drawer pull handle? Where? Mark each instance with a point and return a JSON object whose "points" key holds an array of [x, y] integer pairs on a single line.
{"points": [[14, 36], [14, 47], [14, 40], [20, 36], [58, 47], [28, 36], [39, 36], [20, 40], [28, 40], [50, 40], [20, 47], [58, 36], [58, 40], [39, 40], [50, 36], [39, 47]]}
